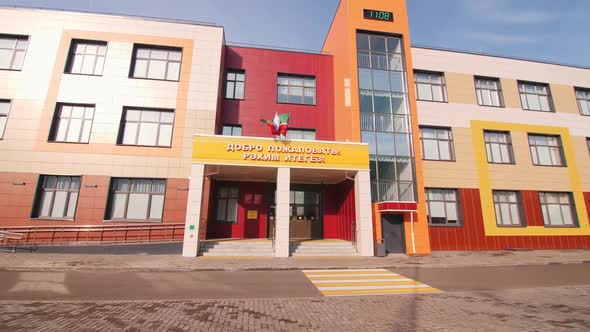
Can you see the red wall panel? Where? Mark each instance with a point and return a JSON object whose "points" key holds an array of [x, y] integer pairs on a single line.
{"points": [[471, 236], [339, 211], [262, 66]]}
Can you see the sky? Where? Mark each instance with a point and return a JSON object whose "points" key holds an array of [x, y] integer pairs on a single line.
{"points": [[546, 30]]}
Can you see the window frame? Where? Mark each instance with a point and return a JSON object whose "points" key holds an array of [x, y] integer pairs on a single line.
{"points": [[228, 188], [303, 77], [458, 206], [308, 130], [585, 99], [3, 130], [72, 53], [450, 142], [232, 127], [571, 205], [122, 124], [498, 91], [519, 206], [15, 49], [537, 85], [37, 204], [136, 48], [111, 194], [561, 151], [443, 85], [234, 71], [509, 145], [56, 120]]}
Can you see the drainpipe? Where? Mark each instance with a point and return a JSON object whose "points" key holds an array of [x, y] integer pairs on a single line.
{"points": [[412, 227]]}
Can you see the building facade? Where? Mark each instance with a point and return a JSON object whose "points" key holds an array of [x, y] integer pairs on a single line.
{"points": [[108, 120]]}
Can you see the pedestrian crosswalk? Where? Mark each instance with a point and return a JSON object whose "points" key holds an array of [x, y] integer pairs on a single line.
{"points": [[351, 282]]}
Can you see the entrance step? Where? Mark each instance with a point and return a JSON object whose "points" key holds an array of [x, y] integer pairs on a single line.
{"points": [[236, 248], [318, 248]]}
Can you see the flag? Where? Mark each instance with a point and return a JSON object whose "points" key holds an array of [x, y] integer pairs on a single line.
{"points": [[279, 124]]}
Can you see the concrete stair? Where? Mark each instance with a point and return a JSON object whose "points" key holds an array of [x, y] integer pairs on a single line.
{"points": [[321, 248], [236, 248]]}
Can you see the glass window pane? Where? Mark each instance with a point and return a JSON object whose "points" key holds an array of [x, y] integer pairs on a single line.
{"points": [[157, 207], [515, 214], [437, 93], [555, 214], [365, 79], [232, 210], [173, 71], [382, 102], [445, 150], [165, 138], [393, 45], [402, 145], [369, 138], [59, 204], [132, 115], [130, 133], [174, 55], [221, 208], [386, 169], [137, 207], [397, 81], [362, 41], [385, 144], [77, 63], [424, 91], [229, 89], [62, 128], [566, 212], [140, 69], [46, 198], [430, 150], [157, 69], [381, 80], [404, 169], [544, 155], [239, 93], [378, 43], [71, 211], [398, 103], [150, 116], [283, 92], [451, 212], [379, 60], [363, 59], [88, 64], [5, 58], [366, 101], [533, 102], [437, 209], [19, 57], [74, 130]]}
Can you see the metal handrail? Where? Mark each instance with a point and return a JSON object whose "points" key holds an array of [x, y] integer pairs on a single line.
{"points": [[137, 233]]}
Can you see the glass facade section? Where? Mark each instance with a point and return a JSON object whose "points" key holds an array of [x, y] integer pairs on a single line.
{"points": [[385, 117]]}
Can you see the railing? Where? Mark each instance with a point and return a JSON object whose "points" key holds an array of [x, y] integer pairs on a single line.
{"points": [[96, 234], [9, 240]]}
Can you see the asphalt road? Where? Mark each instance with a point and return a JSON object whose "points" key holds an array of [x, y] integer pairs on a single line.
{"points": [[106, 285]]}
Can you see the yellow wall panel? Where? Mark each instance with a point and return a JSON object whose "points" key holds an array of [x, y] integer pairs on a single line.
{"points": [[510, 92], [564, 98], [460, 88]]}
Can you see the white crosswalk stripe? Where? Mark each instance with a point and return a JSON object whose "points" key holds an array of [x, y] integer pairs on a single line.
{"points": [[350, 282]]}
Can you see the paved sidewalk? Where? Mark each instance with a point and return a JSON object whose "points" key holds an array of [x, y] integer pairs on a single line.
{"points": [[66, 262]]}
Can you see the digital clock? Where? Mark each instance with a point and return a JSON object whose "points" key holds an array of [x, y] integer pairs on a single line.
{"points": [[379, 15]]}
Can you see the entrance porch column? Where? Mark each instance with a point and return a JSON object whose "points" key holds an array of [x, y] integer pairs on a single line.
{"points": [[364, 222], [190, 245], [282, 212]]}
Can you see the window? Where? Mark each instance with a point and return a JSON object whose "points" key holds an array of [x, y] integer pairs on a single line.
{"points": [[546, 150], [293, 89], [4, 110], [155, 62], [147, 127], [227, 205], [136, 199], [430, 86], [231, 130], [72, 123], [234, 84], [56, 197], [437, 143], [498, 147], [508, 208], [302, 134], [488, 91], [535, 97], [12, 51], [304, 205], [583, 97], [86, 57], [442, 207], [558, 209]]}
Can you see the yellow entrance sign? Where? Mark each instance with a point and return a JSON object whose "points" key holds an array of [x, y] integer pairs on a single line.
{"points": [[232, 150]]}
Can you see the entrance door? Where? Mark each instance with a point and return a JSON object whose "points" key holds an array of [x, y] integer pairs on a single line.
{"points": [[393, 233], [253, 206]]}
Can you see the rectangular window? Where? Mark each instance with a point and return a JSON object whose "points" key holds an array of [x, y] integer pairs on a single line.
{"points": [[136, 199], [488, 91], [301, 134], [437, 143], [498, 147], [430, 86], [558, 209], [4, 110], [231, 130], [546, 150], [227, 205], [149, 127], [57, 197], [156, 62], [72, 123], [12, 51], [442, 207], [293, 89], [86, 57], [508, 207], [583, 97], [234, 84], [535, 96]]}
